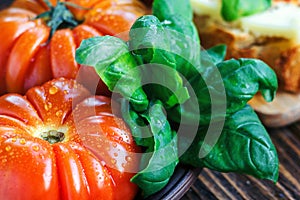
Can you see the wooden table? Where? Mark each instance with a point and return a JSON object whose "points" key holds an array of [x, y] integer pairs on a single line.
{"points": [[215, 185]]}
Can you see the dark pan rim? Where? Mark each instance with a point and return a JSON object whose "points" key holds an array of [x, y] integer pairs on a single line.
{"points": [[179, 184]]}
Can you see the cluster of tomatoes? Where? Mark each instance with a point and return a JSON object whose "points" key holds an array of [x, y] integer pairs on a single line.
{"points": [[59, 140]]}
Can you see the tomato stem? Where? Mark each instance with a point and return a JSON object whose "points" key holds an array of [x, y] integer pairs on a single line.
{"points": [[53, 136], [58, 16]]}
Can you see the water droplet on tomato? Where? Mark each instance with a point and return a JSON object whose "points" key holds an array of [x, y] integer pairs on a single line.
{"points": [[100, 177], [128, 158], [8, 148], [105, 18], [113, 161], [23, 141], [59, 113], [42, 156], [53, 90], [36, 148], [49, 105]]}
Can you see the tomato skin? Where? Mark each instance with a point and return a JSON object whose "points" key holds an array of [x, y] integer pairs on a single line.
{"points": [[103, 17], [40, 70], [62, 50], [15, 175], [18, 61], [31, 5], [84, 165], [13, 30]]}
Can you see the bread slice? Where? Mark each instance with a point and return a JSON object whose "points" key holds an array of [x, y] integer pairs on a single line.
{"points": [[272, 36]]}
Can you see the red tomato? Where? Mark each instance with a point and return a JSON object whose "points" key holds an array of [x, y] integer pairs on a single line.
{"points": [[59, 142], [28, 59]]}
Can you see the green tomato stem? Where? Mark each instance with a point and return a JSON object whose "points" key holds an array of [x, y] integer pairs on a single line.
{"points": [[53, 136], [58, 16]]}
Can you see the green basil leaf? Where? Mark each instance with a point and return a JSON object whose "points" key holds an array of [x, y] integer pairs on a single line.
{"points": [[239, 80], [210, 94], [244, 146], [215, 54], [163, 155], [164, 9], [150, 45], [234, 9], [116, 67], [186, 28], [181, 31], [139, 129], [185, 45], [165, 84], [243, 78], [147, 35]]}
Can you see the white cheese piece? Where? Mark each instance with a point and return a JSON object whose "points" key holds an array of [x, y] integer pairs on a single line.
{"points": [[282, 20], [207, 7]]}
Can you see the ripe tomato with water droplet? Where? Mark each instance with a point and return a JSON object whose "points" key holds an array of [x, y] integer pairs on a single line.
{"points": [[76, 154]]}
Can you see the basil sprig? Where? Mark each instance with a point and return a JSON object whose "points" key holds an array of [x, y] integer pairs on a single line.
{"points": [[243, 146], [167, 84], [159, 161]]}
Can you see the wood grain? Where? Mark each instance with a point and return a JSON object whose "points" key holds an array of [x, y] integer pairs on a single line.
{"points": [[212, 185]]}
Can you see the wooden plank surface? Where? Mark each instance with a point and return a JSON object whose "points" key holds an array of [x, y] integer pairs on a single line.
{"points": [[215, 185]]}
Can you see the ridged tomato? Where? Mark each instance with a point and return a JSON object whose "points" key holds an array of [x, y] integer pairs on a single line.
{"points": [[59, 142], [38, 39]]}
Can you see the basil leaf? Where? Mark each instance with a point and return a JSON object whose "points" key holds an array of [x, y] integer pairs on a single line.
{"points": [[116, 67], [139, 129], [215, 54], [239, 80], [163, 155], [234, 9], [146, 33], [164, 9], [243, 78], [149, 41], [244, 146], [185, 45], [210, 94], [181, 31]]}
